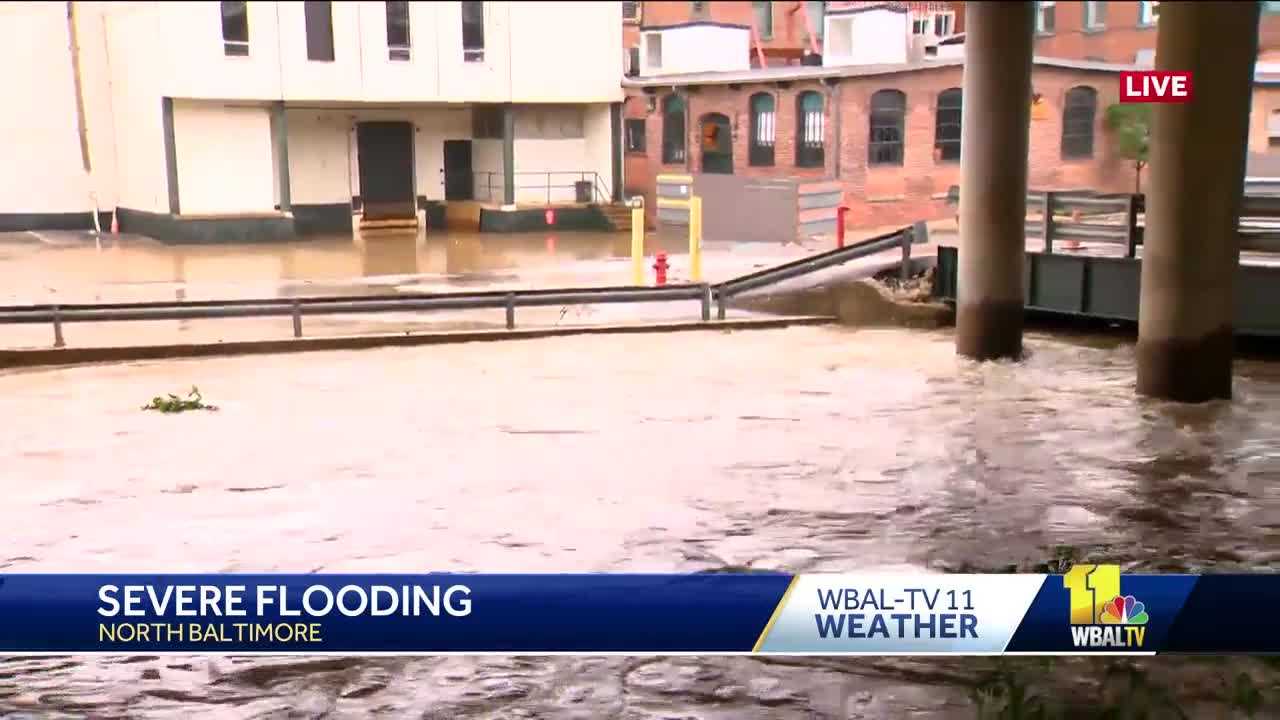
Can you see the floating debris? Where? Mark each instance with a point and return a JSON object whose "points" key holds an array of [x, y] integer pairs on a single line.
{"points": [[175, 404]]}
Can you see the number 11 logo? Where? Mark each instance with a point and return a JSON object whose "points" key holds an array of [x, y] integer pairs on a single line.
{"points": [[1092, 588]]}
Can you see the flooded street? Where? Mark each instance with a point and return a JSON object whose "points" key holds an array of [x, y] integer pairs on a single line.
{"points": [[802, 450]]}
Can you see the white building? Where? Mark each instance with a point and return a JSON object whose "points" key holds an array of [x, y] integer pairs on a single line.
{"points": [[222, 120]]}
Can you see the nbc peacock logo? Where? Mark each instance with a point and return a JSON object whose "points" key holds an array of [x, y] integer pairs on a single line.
{"points": [[1101, 616], [1125, 610]]}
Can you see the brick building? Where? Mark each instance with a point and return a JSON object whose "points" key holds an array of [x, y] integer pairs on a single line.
{"points": [[889, 131], [889, 134], [784, 31]]}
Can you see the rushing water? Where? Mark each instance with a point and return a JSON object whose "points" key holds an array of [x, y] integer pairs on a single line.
{"points": [[804, 450]]}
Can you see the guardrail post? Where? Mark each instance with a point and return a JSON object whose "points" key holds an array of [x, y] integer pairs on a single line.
{"points": [[721, 299], [1131, 226], [297, 318], [1047, 230], [637, 242], [706, 302], [904, 269], [695, 238], [511, 311], [57, 328]]}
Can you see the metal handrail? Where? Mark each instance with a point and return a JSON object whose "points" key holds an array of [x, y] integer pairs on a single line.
{"points": [[599, 188]]}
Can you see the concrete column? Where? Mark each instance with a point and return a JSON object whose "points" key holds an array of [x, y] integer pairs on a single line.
{"points": [[615, 150], [280, 142], [508, 154], [995, 128], [170, 154], [1191, 249]]}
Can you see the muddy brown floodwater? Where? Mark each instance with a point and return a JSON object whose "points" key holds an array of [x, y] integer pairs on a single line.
{"points": [[802, 450]]}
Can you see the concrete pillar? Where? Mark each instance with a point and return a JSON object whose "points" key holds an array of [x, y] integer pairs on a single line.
{"points": [[170, 154], [1191, 249], [280, 143], [995, 127], [508, 154], [615, 150]]}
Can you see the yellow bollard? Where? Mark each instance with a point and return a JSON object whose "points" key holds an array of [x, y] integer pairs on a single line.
{"points": [[637, 244], [695, 238]]}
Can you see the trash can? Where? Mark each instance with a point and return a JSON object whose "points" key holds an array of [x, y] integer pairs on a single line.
{"points": [[582, 191]]}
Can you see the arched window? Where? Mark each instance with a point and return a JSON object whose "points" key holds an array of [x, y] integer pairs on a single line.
{"points": [[673, 129], [760, 149], [717, 144], [946, 133], [1078, 113], [810, 130], [888, 112]]}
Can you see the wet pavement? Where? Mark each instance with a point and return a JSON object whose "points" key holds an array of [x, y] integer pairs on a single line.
{"points": [[803, 450]]}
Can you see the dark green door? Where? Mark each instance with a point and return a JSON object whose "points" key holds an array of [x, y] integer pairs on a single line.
{"points": [[385, 152], [717, 145]]}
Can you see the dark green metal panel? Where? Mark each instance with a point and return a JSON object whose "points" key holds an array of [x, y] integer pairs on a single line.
{"points": [[1108, 288]]}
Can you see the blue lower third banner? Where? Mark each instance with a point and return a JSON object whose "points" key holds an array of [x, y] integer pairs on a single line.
{"points": [[1090, 609]]}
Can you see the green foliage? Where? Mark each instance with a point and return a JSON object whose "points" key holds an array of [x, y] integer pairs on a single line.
{"points": [[175, 404], [1130, 125]]}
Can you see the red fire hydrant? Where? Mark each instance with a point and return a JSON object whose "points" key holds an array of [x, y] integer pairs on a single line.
{"points": [[660, 268]]}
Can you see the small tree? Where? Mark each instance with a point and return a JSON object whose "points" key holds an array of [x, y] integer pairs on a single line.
{"points": [[1130, 124]]}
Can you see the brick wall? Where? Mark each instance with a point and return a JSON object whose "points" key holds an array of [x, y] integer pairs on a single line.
{"points": [[885, 194], [1122, 36]]}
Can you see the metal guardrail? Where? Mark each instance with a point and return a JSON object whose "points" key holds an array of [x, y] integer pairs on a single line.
{"points": [[297, 308], [902, 238], [1259, 227]]}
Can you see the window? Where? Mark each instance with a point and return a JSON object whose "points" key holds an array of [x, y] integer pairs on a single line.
{"points": [[398, 39], [1045, 16], [946, 133], [817, 13], [1095, 15], [653, 51], [235, 29], [319, 26], [631, 11], [920, 26], [473, 31], [1077, 122], [763, 128], [764, 18], [888, 112], [1270, 6], [810, 130], [1147, 11], [635, 135], [942, 23], [633, 62], [672, 129]]}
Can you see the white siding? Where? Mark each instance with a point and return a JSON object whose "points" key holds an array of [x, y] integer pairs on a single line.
{"points": [[42, 170], [135, 103], [695, 49], [867, 38], [224, 159], [552, 41]]}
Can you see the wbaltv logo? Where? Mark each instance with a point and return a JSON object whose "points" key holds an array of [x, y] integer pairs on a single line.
{"points": [[1155, 86], [1101, 616]]}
